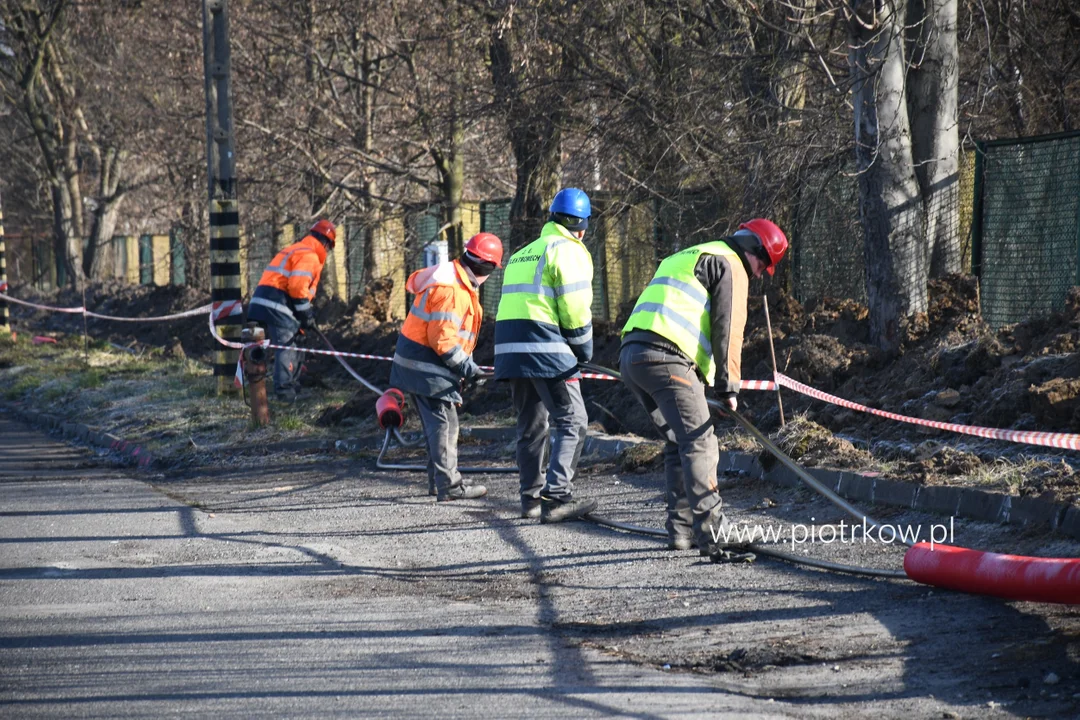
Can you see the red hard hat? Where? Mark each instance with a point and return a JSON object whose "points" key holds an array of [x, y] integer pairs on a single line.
{"points": [[772, 239], [326, 229], [487, 247]]}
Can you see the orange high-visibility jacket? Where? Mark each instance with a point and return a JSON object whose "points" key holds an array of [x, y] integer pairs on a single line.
{"points": [[289, 282], [434, 349]]}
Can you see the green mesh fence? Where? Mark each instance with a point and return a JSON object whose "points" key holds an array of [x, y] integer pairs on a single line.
{"points": [[356, 235], [494, 218], [1027, 225], [827, 240], [421, 229], [146, 260], [177, 261]]}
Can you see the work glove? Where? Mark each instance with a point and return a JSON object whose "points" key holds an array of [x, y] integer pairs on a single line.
{"points": [[729, 400], [476, 380], [307, 320]]}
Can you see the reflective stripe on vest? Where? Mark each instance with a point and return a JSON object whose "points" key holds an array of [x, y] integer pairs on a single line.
{"points": [[528, 295], [280, 307], [675, 305]]}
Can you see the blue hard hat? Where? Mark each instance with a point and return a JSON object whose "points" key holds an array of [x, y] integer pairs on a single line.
{"points": [[572, 202]]}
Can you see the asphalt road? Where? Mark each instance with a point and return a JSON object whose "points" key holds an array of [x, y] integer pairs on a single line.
{"points": [[313, 586]]}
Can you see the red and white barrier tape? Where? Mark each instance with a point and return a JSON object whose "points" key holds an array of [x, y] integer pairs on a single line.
{"points": [[746, 384], [89, 313], [157, 318], [8, 298], [1065, 441]]}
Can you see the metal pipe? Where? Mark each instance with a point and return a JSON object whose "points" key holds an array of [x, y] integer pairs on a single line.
{"points": [[772, 352], [423, 468], [255, 359]]}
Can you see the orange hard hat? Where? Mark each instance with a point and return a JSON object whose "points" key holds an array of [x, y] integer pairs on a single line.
{"points": [[487, 247], [772, 239], [326, 229]]}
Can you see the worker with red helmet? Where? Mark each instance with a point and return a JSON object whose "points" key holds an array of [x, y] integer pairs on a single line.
{"points": [[282, 302], [433, 357], [686, 332]]}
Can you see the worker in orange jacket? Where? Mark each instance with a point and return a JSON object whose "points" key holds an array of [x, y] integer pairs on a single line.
{"points": [[433, 358], [282, 302]]}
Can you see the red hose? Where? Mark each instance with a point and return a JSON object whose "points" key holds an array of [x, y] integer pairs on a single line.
{"points": [[1051, 580]]}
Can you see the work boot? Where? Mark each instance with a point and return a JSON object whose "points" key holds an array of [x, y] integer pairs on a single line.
{"points": [[462, 492], [287, 397], [434, 492], [717, 533], [530, 508], [733, 554], [553, 510], [681, 542]]}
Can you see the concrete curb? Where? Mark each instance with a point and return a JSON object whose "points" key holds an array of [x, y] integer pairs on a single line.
{"points": [[969, 503], [136, 454]]}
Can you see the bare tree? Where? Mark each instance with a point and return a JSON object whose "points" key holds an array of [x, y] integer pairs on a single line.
{"points": [[933, 95], [530, 73]]}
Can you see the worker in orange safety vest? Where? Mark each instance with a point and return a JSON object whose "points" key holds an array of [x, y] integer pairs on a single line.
{"points": [[433, 358], [282, 302]]}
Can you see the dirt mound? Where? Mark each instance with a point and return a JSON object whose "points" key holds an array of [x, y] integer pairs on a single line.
{"points": [[121, 300]]}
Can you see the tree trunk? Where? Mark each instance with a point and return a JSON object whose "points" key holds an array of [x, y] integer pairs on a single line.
{"points": [[451, 166], [193, 235], [932, 102], [890, 207], [67, 244], [106, 213], [535, 131]]}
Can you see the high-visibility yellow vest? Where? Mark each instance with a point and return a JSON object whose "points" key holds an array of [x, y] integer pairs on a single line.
{"points": [[544, 323], [675, 305]]}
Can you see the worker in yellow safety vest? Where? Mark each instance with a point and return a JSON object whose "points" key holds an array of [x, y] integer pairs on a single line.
{"points": [[686, 332], [433, 358], [282, 302], [543, 329]]}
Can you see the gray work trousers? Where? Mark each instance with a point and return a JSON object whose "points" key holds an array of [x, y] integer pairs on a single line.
{"points": [[282, 330], [537, 400], [668, 387], [439, 419]]}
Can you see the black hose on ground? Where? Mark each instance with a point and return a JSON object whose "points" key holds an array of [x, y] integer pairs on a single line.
{"points": [[779, 454], [390, 432], [759, 549]]}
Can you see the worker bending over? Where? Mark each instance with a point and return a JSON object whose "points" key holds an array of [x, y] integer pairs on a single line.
{"points": [[686, 331], [282, 302], [433, 358]]}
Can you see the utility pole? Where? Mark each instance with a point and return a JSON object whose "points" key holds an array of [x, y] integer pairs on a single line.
{"points": [[221, 183]]}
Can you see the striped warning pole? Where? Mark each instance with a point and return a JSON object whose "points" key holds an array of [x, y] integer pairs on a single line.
{"points": [[225, 285], [5, 324]]}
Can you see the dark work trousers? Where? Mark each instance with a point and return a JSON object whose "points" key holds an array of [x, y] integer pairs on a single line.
{"points": [[439, 419], [282, 330], [538, 400], [668, 387]]}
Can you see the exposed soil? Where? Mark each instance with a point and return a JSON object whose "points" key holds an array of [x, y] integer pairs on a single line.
{"points": [[951, 368]]}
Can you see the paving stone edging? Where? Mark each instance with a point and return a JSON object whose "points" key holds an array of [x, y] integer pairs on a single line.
{"points": [[134, 452], [969, 503]]}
